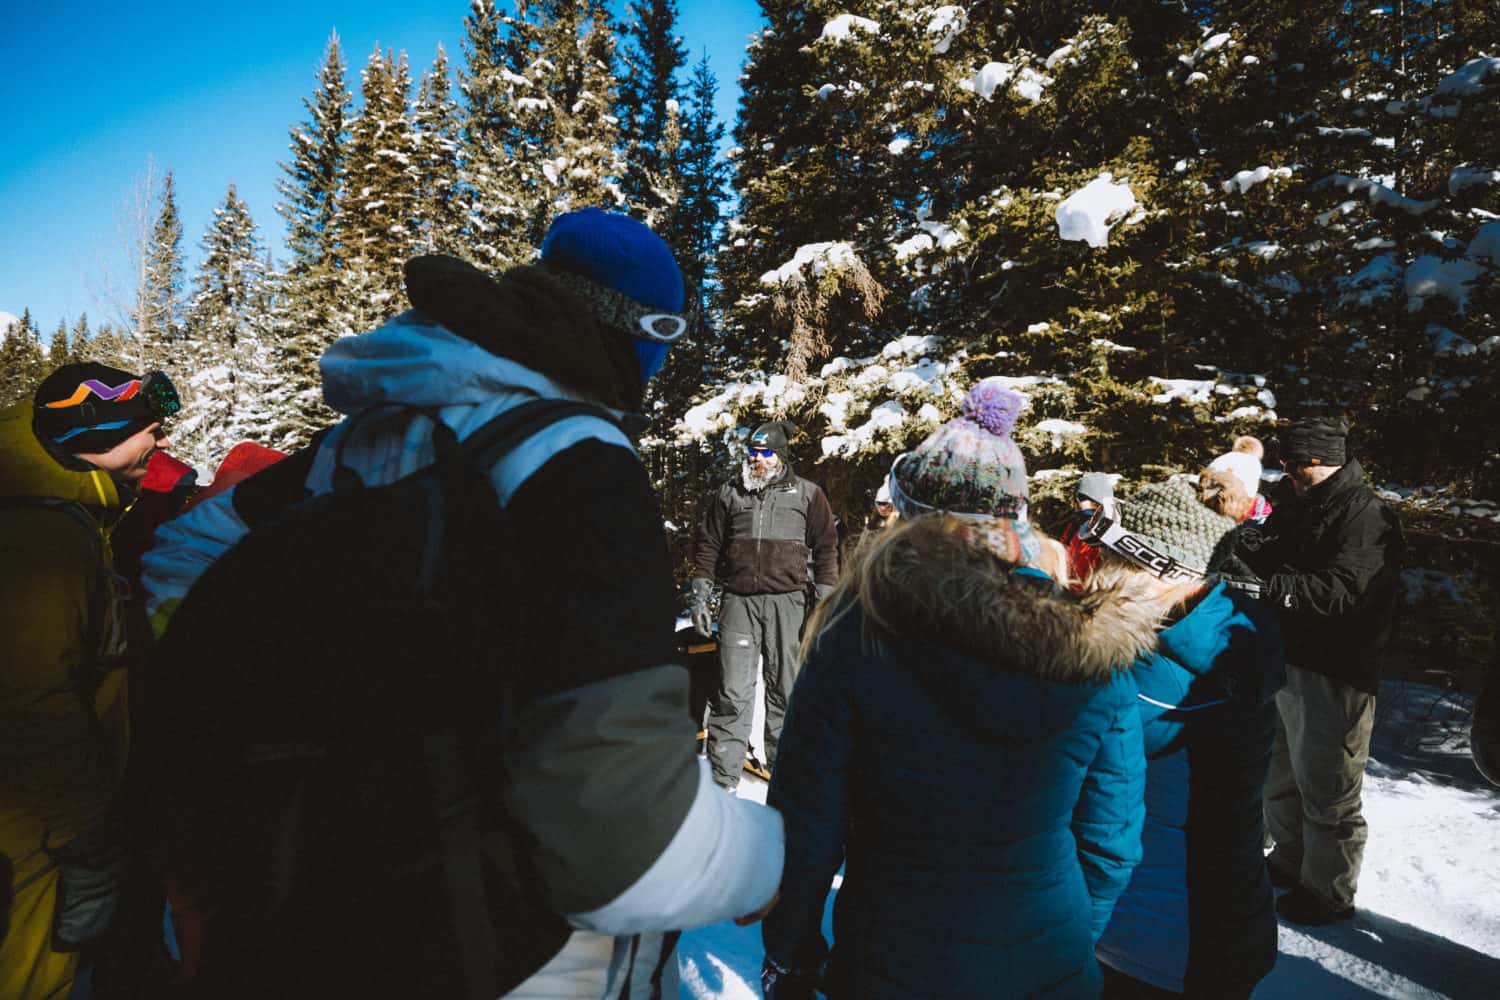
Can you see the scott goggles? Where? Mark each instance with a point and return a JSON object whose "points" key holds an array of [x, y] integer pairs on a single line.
{"points": [[622, 312], [1104, 530]]}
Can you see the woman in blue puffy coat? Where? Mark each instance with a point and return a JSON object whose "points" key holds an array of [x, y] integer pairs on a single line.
{"points": [[963, 740], [1197, 919]]}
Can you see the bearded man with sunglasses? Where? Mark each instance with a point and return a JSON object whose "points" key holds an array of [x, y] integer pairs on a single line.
{"points": [[71, 461], [761, 536], [1329, 557]]}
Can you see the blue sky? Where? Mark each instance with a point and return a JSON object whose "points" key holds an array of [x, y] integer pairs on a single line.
{"points": [[94, 90]]}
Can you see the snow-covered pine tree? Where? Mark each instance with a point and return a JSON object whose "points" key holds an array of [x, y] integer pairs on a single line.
{"points": [[648, 109], [1410, 234], [80, 346], [309, 312], [22, 363], [110, 346], [692, 228], [441, 223], [228, 321], [380, 206], [562, 134], [58, 348], [498, 200], [160, 333]]}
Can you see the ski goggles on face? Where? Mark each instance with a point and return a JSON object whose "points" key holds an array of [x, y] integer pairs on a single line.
{"points": [[762, 453], [622, 312], [1103, 530]]}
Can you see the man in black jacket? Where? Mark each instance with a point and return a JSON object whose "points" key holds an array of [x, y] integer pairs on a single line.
{"points": [[757, 537], [1330, 555]]}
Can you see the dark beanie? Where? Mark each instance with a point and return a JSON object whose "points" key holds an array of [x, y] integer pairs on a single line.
{"points": [[1317, 441], [773, 435], [87, 408]]}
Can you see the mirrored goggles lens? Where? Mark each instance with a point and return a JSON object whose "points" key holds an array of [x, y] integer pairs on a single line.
{"points": [[762, 452], [160, 395], [662, 327]]}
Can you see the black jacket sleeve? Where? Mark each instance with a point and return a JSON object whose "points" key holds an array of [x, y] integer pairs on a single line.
{"points": [[822, 538], [709, 540]]}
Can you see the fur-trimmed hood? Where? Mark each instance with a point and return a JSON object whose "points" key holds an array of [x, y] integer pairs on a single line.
{"points": [[932, 595]]}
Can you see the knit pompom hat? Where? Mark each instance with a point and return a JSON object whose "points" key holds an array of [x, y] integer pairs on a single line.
{"points": [[1170, 517], [970, 465]]}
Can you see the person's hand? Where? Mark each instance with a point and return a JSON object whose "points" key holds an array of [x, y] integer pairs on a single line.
{"points": [[703, 621], [822, 590], [760, 914]]}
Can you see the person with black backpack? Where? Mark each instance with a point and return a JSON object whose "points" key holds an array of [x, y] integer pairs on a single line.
{"points": [[417, 718], [71, 461]]}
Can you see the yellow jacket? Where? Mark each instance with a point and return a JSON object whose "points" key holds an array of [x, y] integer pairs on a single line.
{"points": [[63, 718]]}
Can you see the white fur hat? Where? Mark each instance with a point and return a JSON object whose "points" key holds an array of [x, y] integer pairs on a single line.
{"points": [[1245, 467]]}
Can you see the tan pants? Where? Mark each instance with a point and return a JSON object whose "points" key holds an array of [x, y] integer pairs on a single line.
{"points": [[1312, 794]]}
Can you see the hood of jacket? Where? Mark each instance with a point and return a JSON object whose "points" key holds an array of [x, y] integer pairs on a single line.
{"points": [[979, 632], [28, 470], [414, 361]]}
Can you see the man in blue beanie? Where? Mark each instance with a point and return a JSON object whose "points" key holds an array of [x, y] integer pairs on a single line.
{"points": [[621, 828]]}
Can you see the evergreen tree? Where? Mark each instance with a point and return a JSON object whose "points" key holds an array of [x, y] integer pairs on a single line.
{"points": [[310, 311], [160, 333], [380, 210], [692, 229], [228, 321], [108, 347], [80, 346], [692, 232], [498, 203], [58, 351], [561, 135], [648, 109], [441, 208], [22, 363]]}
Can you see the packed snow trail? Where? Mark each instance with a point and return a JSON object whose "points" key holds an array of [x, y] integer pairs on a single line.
{"points": [[1428, 918]]}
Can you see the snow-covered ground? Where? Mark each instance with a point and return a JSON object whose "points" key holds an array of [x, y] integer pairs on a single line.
{"points": [[1428, 918]]}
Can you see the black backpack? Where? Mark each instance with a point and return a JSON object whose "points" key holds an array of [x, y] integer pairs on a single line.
{"points": [[327, 717]]}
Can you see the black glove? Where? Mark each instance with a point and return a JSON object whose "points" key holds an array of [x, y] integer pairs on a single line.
{"points": [[780, 983], [703, 621]]}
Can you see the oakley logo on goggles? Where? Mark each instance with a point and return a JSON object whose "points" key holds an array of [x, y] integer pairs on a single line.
{"points": [[1103, 530], [622, 312]]}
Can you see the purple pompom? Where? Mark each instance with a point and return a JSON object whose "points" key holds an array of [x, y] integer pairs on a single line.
{"points": [[992, 406]]}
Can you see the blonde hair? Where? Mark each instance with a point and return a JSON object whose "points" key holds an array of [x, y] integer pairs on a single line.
{"points": [[1115, 572]]}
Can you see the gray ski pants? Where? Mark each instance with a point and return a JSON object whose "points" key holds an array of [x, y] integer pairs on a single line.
{"points": [[752, 627], [1312, 793]]}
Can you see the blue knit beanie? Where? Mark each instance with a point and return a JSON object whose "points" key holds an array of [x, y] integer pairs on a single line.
{"points": [[622, 254]]}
